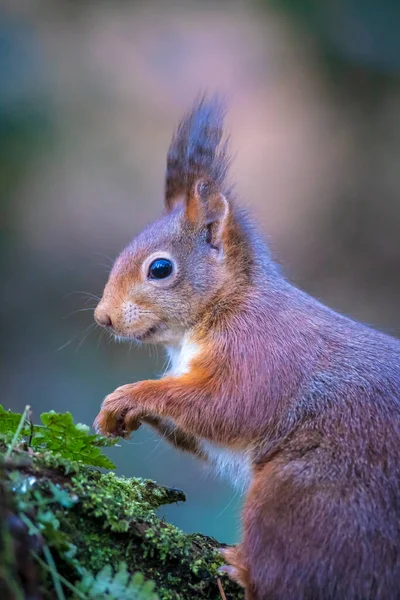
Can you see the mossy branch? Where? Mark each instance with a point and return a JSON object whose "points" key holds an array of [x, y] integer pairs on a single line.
{"points": [[70, 531]]}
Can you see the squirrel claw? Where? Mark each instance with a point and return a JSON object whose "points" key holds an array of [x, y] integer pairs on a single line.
{"points": [[109, 424]]}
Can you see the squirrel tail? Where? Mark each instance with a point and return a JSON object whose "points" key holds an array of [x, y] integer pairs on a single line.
{"points": [[198, 149]]}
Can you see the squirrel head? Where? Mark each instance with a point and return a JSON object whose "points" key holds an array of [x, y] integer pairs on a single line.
{"points": [[165, 279]]}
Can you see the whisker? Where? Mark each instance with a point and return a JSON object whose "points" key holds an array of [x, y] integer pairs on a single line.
{"points": [[166, 365], [104, 256], [107, 267], [89, 331], [78, 311], [88, 294], [75, 337], [161, 438], [131, 443], [235, 495], [91, 300], [101, 335]]}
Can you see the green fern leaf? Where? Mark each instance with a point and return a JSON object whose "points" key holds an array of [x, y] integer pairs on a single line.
{"points": [[120, 582], [101, 583], [121, 586], [73, 442], [61, 436], [9, 421]]}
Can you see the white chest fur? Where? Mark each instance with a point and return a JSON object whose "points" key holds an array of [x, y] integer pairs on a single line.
{"points": [[180, 357], [227, 464]]}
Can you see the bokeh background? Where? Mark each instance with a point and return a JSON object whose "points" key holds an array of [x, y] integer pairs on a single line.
{"points": [[89, 95]]}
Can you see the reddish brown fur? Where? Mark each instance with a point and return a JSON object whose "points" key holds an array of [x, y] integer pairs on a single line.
{"points": [[310, 396]]}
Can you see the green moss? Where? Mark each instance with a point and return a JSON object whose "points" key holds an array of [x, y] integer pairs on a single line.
{"points": [[91, 522], [119, 501]]}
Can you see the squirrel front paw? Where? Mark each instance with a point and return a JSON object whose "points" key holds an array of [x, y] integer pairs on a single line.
{"points": [[118, 415]]}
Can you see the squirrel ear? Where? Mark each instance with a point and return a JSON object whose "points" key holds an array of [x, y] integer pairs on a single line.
{"points": [[207, 206]]}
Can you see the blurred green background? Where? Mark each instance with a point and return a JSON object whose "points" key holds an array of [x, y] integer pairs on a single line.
{"points": [[90, 93]]}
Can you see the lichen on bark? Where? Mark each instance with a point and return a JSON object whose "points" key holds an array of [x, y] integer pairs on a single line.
{"points": [[64, 524]]}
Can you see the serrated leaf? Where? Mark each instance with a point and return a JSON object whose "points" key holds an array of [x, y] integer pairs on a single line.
{"points": [[119, 582], [121, 586], [83, 427], [86, 582], [101, 583], [148, 587], [137, 579], [73, 442], [9, 420], [62, 437]]}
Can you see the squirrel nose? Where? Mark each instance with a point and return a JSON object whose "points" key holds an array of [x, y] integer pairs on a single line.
{"points": [[103, 319]]}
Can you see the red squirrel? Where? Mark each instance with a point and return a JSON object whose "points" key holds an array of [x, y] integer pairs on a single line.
{"points": [[299, 404]]}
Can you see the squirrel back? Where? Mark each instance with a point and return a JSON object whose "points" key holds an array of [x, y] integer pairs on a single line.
{"points": [[265, 376]]}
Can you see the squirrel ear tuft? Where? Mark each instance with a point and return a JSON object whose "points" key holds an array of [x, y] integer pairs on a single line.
{"points": [[198, 150], [206, 206]]}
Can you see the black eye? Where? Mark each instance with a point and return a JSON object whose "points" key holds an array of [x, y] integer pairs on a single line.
{"points": [[160, 268]]}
